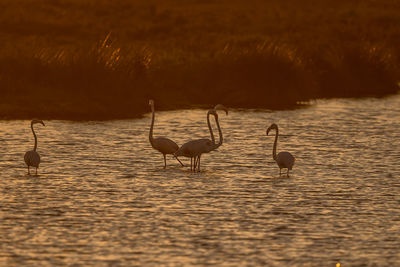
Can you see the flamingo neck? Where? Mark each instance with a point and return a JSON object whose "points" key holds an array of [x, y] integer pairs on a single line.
{"points": [[151, 126], [275, 144], [34, 135], [221, 138], [210, 128]]}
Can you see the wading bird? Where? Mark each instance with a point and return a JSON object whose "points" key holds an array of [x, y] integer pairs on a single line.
{"points": [[195, 148], [283, 159], [32, 158], [162, 144]]}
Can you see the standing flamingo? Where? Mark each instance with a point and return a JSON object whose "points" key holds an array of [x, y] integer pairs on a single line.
{"points": [[195, 148], [283, 159], [162, 144], [32, 158], [192, 148]]}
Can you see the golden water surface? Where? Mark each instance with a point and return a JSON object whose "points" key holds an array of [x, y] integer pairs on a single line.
{"points": [[102, 197]]}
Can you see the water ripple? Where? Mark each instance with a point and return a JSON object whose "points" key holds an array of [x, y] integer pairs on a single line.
{"points": [[103, 198]]}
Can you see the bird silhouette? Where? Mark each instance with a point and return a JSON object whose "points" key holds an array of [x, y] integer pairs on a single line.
{"points": [[283, 159], [162, 144], [32, 158], [195, 148]]}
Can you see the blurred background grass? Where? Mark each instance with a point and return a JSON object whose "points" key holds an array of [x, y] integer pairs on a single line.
{"points": [[100, 59]]}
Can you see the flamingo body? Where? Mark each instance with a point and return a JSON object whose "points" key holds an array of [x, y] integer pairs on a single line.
{"points": [[32, 158], [285, 160], [164, 145], [194, 149]]}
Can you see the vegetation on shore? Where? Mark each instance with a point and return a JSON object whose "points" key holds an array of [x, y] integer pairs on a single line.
{"points": [[69, 59]]}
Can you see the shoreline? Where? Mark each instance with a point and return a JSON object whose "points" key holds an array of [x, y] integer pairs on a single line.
{"points": [[76, 117]]}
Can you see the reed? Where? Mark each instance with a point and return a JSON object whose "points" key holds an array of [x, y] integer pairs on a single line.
{"points": [[104, 59]]}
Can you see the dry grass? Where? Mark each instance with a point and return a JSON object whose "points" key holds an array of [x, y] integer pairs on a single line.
{"points": [[103, 59]]}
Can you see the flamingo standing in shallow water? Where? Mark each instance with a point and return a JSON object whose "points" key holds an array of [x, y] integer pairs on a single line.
{"points": [[162, 144], [195, 148], [283, 159], [32, 158]]}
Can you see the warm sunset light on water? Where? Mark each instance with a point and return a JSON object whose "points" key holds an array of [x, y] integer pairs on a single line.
{"points": [[199, 133], [102, 194]]}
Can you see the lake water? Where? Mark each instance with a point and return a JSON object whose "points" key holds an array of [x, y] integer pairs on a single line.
{"points": [[103, 198]]}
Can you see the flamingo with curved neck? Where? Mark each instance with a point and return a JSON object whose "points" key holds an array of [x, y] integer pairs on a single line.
{"points": [[162, 144], [32, 158], [195, 148], [283, 159]]}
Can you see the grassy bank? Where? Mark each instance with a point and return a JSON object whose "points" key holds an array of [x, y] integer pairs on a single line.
{"points": [[104, 59]]}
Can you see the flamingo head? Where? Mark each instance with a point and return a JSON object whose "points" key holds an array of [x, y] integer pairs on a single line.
{"points": [[151, 103], [273, 126], [37, 121], [221, 107]]}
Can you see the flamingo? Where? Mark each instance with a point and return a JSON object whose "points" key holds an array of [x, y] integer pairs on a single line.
{"points": [[162, 144], [32, 158], [283, 159], [195, 148]]}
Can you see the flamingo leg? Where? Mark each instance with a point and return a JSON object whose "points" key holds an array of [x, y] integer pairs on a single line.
{"points": [[195, 163], [179, 161], [29, 173], [280, 171], [191, 163], [287, 174], [198, 162], [165, 161], [36, 170]]}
